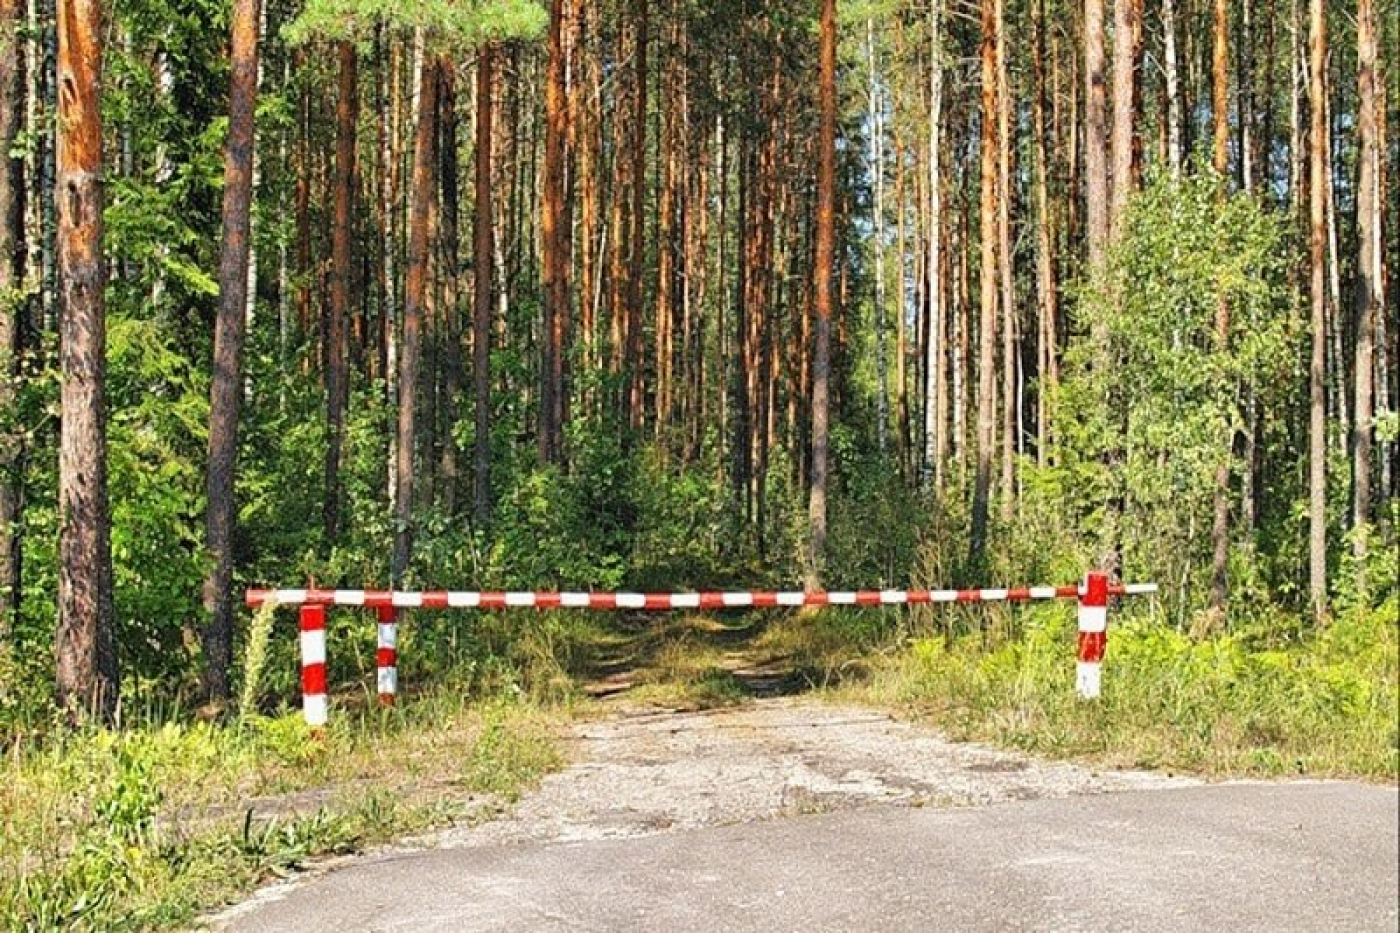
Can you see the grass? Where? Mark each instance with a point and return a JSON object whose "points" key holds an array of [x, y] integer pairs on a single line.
{"points": [[1260, 701], [147, 827]]}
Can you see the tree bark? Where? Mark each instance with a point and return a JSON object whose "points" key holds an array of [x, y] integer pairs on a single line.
{"points": [[1171, 66], [415, 295], [1095, 133], [1317, 258], [555, 238], [1047, 288], [12, 262], [1220, 162], [987, 275], [86, 675], [342, 232], [636, 261], [483, 251], [935, 348], [1370, 274], [822, 283], [226, 388], [1126, 14], [1006, 272], [877, 176]]}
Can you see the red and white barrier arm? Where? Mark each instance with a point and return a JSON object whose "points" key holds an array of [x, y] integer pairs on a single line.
{"points": [[661, 602]]}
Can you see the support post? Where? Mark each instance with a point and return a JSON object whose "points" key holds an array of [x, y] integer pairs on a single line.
{"points": [[387, 654], [314, 704], [1093, 634]]}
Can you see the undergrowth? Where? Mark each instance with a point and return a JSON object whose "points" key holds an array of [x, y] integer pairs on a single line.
{"points": [[146, 827], [1273, 698]]}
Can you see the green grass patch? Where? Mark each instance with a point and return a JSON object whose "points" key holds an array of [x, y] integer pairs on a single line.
{"points": [[1262, 701], [146, 827]]}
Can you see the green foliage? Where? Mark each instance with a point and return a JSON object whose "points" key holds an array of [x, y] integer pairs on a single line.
{"points": [[453, 23], [1147, 416]]}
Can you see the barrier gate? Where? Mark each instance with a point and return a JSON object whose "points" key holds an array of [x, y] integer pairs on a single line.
{"points": [[1092, 595]]}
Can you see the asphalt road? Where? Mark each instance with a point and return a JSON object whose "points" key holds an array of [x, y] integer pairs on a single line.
{"points": [[1274, 857]]}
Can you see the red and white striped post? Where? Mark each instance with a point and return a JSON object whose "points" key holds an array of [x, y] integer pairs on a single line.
{"points": [[387, 654], [314, 704], [1093, 635]]}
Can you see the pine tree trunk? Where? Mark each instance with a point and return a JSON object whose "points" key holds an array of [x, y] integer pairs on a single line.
{"points": [[1220, 154], [555, 239], [86, 676], [483, 253], [1126, 13], [935, 348], [415, 296], [1095, 133], [449, 213], [826, 260], [342, 233], [667, 247], [987, 276], [1317, 257], [226, 388], [636, 256], [12, 263], [1370, 273], [1010, 356], [1047, 287], [875, 116], [1172, 68]]}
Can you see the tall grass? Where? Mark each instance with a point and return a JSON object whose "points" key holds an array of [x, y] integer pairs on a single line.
{"points": [[146, 827], [1261, 700]]}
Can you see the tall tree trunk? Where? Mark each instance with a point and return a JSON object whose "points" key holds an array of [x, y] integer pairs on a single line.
{"points": [[86, 676], [826, 260], [301, 198], [226, 387], [1047, 289], [1095, 133], [636, 260], [483, 251], [415, 296], [1006, 273], [1317, 257], [12, 262], [1171, 66], [555, 238], [450, 254], [1126, 14], [935, 388], [987, 276], [877, 179], [1370, 272], [1220, 162], [668, 249], [342, 232]]}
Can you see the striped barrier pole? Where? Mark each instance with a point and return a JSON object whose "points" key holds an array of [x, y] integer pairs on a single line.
{"points": [[314, 703], [387, 654], [1093, 635], [662, 602], [1092, 596]]}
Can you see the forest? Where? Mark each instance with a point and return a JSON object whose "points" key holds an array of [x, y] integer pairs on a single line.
{"points": [[683, 293]]}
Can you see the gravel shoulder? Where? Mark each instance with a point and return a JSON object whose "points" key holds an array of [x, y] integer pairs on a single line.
{"points": [[641, 771]]}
